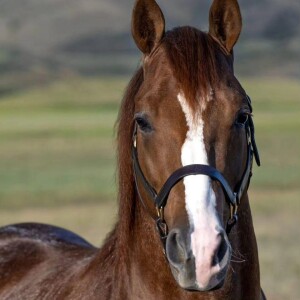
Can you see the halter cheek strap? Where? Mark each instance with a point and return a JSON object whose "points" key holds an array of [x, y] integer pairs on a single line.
{"points": [[233, 198]]}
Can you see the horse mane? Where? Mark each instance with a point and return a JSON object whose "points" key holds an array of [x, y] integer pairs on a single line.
{"points": [[116, 247], [192, 55], [125, 124]]}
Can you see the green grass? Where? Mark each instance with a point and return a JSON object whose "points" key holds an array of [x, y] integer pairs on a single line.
{"points": [[277, 120], [57, 143], [57, 165], [275, 189]]}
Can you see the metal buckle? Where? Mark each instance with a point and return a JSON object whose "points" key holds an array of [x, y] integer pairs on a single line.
{"points": [[134, 135], [233, 218], [233, 211], [160, 213], [233, 214], [162, 227], [234, 206]]}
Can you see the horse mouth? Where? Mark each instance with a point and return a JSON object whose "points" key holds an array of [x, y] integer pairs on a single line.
{"points": [[194, 274], [208, 289], [186, 279]]}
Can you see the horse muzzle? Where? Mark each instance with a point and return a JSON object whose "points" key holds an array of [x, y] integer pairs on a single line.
{"points": [[204, 270]]}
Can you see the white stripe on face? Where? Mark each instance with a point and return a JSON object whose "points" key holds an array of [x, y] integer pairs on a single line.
{"points": [[199, 196]]}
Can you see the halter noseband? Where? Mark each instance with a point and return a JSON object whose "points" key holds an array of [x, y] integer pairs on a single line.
{"points": [[233, 197]]}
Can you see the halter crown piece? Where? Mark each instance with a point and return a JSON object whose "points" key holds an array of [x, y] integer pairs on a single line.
{"points": [[233, 197]]}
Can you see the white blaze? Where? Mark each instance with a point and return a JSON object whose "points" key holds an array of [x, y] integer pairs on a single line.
{"points": [[199, 196]]}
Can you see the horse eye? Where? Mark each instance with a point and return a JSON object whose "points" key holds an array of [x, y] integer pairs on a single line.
{"points": [[143, 124], [242, 119]]}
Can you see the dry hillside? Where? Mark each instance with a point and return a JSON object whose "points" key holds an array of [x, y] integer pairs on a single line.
{"points": [[93, 36]]}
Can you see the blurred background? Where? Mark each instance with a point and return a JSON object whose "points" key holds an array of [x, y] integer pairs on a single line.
{"points": [[64, 65]]}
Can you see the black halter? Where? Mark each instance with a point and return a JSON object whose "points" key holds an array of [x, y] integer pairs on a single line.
{"points": [[233, 197]]}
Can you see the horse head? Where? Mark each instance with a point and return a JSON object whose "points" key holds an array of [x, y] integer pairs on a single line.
{"points": [[190, 110]]}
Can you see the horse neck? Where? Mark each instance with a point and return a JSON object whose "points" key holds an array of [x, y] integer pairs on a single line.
{"points": [[245, 254], [148, 267], [243, 235], [133, 247]]}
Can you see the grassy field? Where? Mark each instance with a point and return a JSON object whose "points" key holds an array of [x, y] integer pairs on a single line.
{"points": [[57, 165]]}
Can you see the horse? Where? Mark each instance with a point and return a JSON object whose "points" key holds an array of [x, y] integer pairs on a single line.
{"points": [[186, 146]]}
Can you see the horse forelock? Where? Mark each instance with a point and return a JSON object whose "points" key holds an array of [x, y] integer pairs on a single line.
{"points": [[193, 58]]}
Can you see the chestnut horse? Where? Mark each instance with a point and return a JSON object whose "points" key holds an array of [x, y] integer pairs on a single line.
{"points": [[185, 150]]}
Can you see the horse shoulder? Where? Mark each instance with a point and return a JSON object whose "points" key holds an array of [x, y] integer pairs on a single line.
{"points": [[32, 253], [43, 233], [40, 261]]}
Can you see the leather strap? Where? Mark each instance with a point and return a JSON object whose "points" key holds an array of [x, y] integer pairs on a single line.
{"points": [[161, 199], [139, 174], [244, 183], [252, 133]]}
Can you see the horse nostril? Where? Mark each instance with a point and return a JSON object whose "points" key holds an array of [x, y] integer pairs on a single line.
{"points": [[221, 251], [175, 248]]}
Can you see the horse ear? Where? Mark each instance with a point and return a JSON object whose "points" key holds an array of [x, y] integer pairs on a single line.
{"points": [[225, 22], [148, 25]]}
